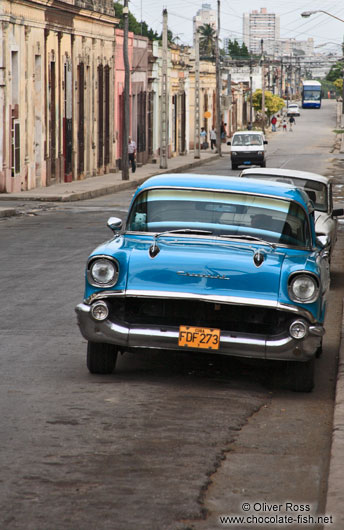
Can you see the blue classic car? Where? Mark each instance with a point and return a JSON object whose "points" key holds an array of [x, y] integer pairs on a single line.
{"points": [[224, 265]]}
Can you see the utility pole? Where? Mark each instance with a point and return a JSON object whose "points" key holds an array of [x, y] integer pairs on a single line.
{"points": [[125, 110], [164, 97], [263, 86], [343, 85], [251, 90], [197, 153], [218, 83]]}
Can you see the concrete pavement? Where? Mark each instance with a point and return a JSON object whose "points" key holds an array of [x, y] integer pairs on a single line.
{"points": [[111, 183]]}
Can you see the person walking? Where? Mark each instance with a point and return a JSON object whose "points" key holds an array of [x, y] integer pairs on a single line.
{"points": [[273, 123], [212, 138], [132, 153], [291, 122], [284, 125], [203, 138]]}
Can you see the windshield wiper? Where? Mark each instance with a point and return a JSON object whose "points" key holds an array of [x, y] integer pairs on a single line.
{"points": [[249, 238], [154, 249]]}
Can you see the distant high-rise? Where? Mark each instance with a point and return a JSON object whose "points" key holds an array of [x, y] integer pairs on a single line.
{"points": [[205, 15], [258, 26]]}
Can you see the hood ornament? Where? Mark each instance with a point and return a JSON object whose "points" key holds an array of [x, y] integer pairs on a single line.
{"points": [[258, 258]]}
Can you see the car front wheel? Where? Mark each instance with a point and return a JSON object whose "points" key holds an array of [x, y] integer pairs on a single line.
{"points": [[101, 357], [234, 166]]}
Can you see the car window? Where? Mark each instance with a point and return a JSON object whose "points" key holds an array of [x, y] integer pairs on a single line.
{"points": [[317, 191], [247, 139], [222, 213]]}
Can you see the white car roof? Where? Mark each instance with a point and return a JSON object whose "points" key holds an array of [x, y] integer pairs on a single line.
{"points": [[249, 132], [307, 175]]}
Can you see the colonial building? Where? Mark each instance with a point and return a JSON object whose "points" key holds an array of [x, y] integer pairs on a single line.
{"points": [[56, 91]]}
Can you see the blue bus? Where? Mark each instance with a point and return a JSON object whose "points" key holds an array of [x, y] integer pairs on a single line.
{"points": [[311, 94]]}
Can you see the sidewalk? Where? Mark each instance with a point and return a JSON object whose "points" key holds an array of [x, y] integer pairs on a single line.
{"points": [[97, 186]]}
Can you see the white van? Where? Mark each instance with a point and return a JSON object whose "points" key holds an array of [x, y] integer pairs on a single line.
{"points": [[248, 148]]}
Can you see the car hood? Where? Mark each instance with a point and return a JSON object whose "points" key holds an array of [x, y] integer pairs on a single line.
{"points": [[209, 270]]}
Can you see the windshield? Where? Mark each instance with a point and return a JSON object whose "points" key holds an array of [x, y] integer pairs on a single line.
{"points": [[317, 191], [311, 95], [222, 214], [247, 139]]}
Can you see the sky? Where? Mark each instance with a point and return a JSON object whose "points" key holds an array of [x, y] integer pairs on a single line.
{"points": [[328, 33]]}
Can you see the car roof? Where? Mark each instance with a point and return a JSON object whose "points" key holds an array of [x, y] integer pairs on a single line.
{"points": [[292, 105], [278, 172], [249, 132], [218, 183]]}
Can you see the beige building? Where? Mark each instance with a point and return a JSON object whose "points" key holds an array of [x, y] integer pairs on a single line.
{"points": [[56, 91], [258, 26]]}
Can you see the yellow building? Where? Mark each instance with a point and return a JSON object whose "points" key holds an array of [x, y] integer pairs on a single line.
{"points": [[56, 91]]}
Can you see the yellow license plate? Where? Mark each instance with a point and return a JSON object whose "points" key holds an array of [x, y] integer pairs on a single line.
{"points": [[192, 337]]}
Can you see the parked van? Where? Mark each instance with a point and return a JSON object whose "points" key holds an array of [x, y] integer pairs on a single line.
{"points": [[248, 148]]}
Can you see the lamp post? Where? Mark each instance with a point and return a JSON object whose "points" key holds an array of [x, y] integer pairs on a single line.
{"points": [[307, 14]]}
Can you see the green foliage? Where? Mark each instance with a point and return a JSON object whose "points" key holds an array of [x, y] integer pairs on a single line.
{"points": [[272, 103], [338, 83], [206, 40], [336, 72], [136, 27], [236, 51]]}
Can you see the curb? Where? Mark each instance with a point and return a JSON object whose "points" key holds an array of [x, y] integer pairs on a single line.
{"points": [[335, 491], [100, 191], [8, 212]]}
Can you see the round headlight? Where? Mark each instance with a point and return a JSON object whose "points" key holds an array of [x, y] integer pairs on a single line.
{"points": [[99, 310], [104, 272], [303, 288], [298, 329]]}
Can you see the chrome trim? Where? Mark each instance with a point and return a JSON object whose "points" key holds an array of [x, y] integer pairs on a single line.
{"points": [[234, 300], [91, 280], [280, 347]]}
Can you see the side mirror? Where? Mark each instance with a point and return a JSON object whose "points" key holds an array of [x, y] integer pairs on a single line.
{"points": [[338, 212], [265, 141], [323, 241], [114, 223], [228, 143]]}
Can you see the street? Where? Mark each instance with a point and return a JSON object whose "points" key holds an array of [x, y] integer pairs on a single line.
{"points": [[170, 441]]}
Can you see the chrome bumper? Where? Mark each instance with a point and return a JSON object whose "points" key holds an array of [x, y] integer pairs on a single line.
{"points": [[281, 347]]}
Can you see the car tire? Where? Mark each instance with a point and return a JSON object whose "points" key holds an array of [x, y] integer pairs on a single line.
{"points": [[263, 164], [299, 375], [234, 166], [101, 357]]}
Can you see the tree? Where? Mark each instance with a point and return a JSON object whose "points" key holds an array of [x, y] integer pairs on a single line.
{"points": [[138, 28], [236, 51], [336, 72], [207, 40], [272, 103]]}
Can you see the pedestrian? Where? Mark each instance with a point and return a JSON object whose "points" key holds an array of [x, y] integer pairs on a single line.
{"points": [[284, 125], [249, 126], [203, 138], [132, 153], [291, 122], [212, 138], [223, 131], [273, 123]]}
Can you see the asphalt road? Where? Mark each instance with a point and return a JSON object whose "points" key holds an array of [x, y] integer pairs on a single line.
{"points": [[169, 441]]}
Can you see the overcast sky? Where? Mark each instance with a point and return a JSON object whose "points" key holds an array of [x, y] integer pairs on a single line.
{"points": [[323, 28]]}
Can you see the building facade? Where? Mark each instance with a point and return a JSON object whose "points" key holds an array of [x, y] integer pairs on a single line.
{"points": [[56, 91], [258, 26]]}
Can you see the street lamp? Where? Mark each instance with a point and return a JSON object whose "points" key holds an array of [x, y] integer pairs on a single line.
{"points": [[307, 14]]}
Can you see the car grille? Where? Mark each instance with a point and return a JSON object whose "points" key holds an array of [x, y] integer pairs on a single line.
{"points": [[173, 313]]}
